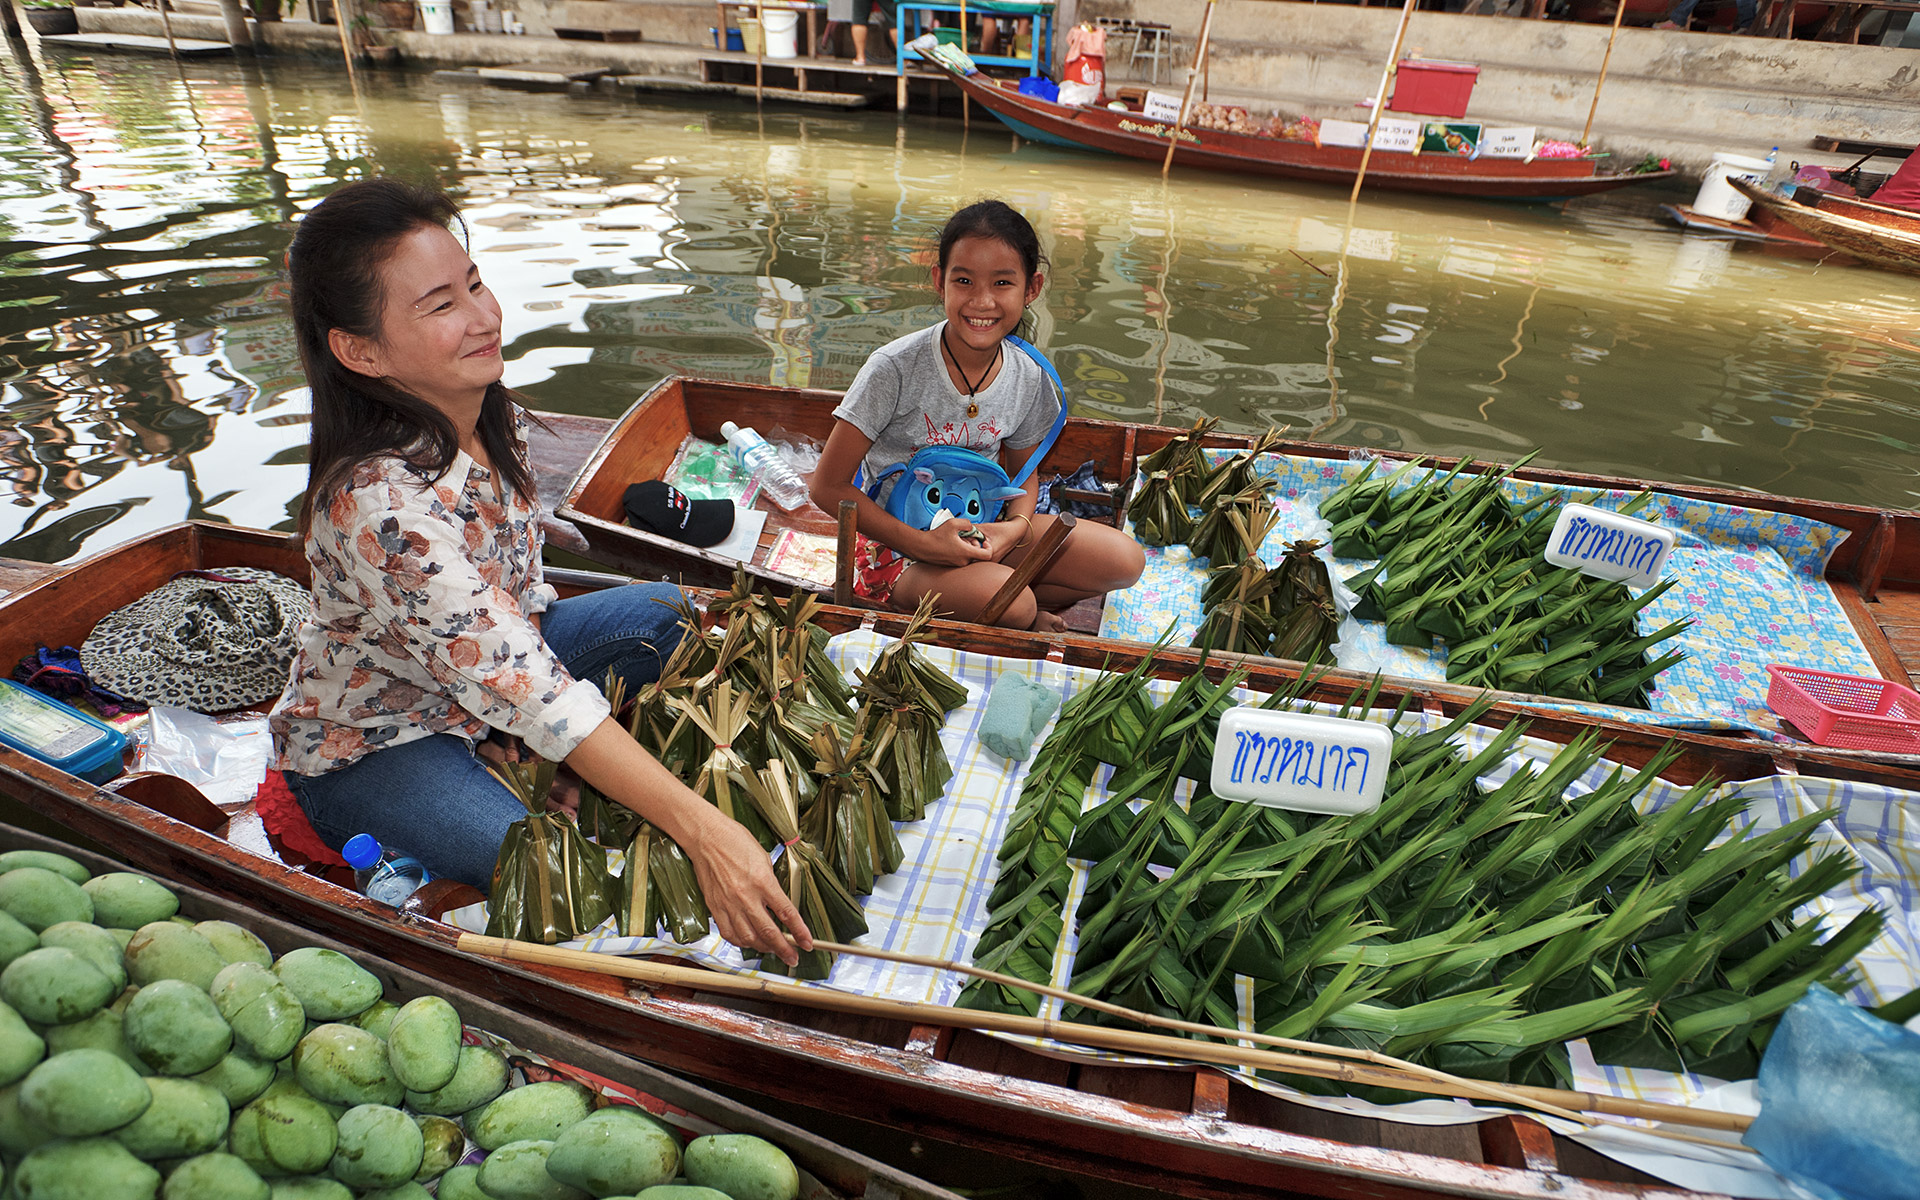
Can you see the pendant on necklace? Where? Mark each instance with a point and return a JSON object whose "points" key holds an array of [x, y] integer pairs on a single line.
{"points": [[973, 410]]}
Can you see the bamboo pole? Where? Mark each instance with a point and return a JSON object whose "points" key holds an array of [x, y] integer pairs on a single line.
{"points": [[340, 18], [1125, 1041], [166, 26], [760, 52], [1186, 100], [966, 101], [1380, 97], [1619, 11]]}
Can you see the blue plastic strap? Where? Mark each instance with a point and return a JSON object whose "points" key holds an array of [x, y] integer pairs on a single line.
{"points": [[1059, 421]]}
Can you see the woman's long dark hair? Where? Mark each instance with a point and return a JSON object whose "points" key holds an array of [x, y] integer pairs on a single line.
{"points": [[334, 266]]}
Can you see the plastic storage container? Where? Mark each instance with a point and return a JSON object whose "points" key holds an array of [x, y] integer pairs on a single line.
{"points": [[782, 40], [1849, 711], [780, 481], [59, 735], [388, 878], [1433, 87], [436, 16], [1716, 197]]}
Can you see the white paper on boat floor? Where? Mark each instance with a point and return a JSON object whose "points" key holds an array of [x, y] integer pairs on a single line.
{"points": [[935, 905]]}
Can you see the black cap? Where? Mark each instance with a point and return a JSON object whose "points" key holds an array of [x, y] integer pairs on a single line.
{"points": [[664, 509]]}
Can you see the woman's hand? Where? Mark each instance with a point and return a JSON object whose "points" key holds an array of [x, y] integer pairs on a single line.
{"points": [[955, 544], [741, 891]]}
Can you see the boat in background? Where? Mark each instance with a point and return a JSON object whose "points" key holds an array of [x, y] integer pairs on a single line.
{"points": [[1876, 234], [1135, 135], [1180, 1128]]}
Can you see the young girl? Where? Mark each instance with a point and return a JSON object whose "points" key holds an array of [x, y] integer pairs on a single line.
{"points": [[960, 384], [431, 623]]}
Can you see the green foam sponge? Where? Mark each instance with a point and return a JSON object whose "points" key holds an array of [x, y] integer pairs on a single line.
{"points": [[1017, 710]]}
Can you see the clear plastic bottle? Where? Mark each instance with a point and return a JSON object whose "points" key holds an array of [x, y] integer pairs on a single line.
{"points": [[1775, 172], [388, 878], [778, 479]]}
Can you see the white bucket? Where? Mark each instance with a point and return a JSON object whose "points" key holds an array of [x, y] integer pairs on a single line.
{"points": [[436, 16], [782, 41], [1716, 197]]}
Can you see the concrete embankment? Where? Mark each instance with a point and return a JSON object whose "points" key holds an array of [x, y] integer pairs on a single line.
{"points": [[1678, 95]]}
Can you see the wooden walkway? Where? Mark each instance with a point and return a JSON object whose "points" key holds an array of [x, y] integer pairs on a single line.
{"points": [[138, 43]]}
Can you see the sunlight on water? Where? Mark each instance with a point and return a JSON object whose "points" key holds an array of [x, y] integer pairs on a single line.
{"points": [[148, 372]]}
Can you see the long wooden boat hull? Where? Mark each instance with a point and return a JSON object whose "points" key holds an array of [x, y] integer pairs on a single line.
{"points": [[1189, 1130], [846, 1173], [1135, 136], [1875, 573], [1874, 233]]}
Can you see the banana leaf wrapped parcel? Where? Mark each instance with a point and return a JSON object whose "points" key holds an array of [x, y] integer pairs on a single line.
{"points": [[550, 883]]}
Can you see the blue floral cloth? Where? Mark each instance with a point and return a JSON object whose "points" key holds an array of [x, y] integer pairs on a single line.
{"points": [[1753, 582]]}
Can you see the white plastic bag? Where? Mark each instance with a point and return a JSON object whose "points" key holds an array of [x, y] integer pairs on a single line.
{"points": [[226, 760]]}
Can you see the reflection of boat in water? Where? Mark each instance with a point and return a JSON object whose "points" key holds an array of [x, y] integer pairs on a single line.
{"points": [[1137, 136], [1873, 233]]}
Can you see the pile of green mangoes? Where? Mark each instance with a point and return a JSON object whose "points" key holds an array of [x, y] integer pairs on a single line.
{"points": [[145, 1055]]}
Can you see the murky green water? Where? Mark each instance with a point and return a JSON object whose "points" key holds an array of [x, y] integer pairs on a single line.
{"points": [[147, 371]]}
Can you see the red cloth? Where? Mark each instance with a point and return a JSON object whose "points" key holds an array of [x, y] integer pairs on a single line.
{"points": [[285, 820], [1903, 190]]}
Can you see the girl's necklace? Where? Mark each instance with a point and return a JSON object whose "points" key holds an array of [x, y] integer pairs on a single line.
{"points": [[973, 389]]}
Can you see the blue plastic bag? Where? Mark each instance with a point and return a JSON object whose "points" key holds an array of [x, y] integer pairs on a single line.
{"points": [[1042, 87], [1840, 1101]]}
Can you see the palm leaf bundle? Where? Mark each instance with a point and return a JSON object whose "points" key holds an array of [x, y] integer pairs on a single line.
{"points": [[1184, 460], [657, 887], [1235, 473], [608, 823], [1469, 925], [549, 883], [816, 890], [1160, 517], [1234, 527], [848, 818]]}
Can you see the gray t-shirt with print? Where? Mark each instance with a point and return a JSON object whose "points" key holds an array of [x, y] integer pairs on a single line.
{"points": [[905, 400]]}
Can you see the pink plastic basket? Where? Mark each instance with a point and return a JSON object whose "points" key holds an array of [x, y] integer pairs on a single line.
{"points": [[1849, 711]]}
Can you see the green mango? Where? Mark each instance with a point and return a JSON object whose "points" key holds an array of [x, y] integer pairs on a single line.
{"points": [[344, 1064], [536, 1112], [101, 1031], [55, 986], [166, 950], [743, 1166], [21, 1049], [518, 1171], [129, 901], [46, 860], [481, 1075], [37, 898], [379, 1147], [284, 1134], [235, 943], [214, 1176], [378, 1019], [423, 1044], [175, 1029], [88, 1169], [611, 1153], [681, 1191], [185, 1118], [285, 1084], [310, 1187], [15, 939], [237, 1077], [443, 1143], [20, 1134], [92, 943], [461, 1183], [406, 1191], [329, 985], [266, 1018], [83, 1092]]}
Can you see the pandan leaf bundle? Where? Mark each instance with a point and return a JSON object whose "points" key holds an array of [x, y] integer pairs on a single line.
{"points": [[904, 702], [1159, 515], [549, 883], [1184, 460]]}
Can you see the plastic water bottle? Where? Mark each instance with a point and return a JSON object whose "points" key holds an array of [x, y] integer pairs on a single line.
{"points": [[777, 479], [1774, 174], [388, 878]]}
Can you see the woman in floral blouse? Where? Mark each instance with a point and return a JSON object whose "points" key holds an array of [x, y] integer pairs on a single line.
{"points": [[431, 625]]}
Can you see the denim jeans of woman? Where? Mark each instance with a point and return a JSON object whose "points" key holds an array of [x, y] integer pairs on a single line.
{"points": [[433, 797]]}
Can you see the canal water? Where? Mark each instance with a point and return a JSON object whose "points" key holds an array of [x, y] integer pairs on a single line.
{"points": [[147, 372]]}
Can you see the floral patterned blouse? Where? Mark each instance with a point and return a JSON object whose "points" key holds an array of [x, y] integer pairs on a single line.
{"points": [[423, 595]]}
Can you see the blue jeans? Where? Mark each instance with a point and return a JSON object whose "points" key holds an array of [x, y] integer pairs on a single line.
{"points": [[433, 798], [1744, 12]]}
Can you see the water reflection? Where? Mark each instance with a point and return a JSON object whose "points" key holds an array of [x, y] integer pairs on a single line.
{"points": [[148, 374]]}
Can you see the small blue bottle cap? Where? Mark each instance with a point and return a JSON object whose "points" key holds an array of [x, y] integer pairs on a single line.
{"points": [[361, 851]]}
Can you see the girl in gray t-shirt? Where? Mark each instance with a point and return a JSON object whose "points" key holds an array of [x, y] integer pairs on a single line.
{"points": [[959, 384]]}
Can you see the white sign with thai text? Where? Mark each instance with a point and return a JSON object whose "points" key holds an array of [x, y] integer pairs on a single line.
{"points": [[1300, 761]]}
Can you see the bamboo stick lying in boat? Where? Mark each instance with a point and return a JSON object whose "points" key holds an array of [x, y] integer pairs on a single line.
{"points": [[1552, 1100]]}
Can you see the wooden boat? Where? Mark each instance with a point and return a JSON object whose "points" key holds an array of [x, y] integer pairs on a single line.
{"points": [[1136, 136], [1875, 573], [1759, 227], [1873, 233], [835, 1171], [1188, 1129]]}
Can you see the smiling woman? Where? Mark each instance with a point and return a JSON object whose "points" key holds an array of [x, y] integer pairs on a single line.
{"points": [[432, 629]]}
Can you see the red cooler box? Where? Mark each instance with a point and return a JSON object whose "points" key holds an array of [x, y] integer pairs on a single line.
{"points": [[1433, 87]]}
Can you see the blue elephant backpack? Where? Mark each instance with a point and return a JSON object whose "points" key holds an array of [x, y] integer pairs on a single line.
{"points": [[964, 482]]}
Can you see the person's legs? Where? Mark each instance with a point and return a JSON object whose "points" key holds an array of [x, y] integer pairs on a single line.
{"points": [[1678, 15], [628, 630], [862, 13], [963, 592], [1096, 559], [430, 798]]}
